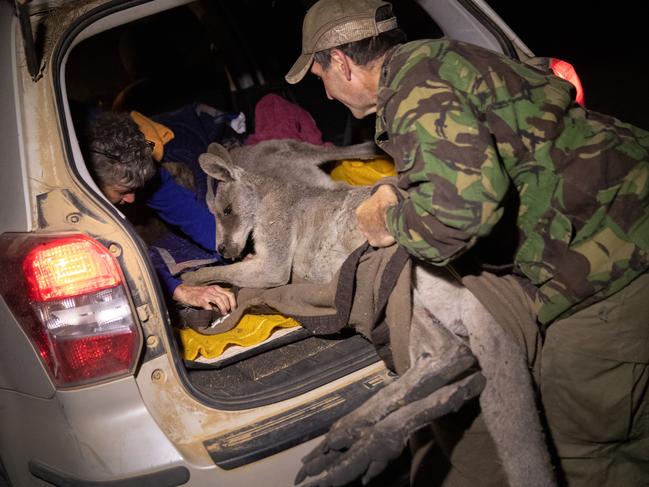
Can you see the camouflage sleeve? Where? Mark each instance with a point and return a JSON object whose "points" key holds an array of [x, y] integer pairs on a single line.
{"points": [[448, 164]]}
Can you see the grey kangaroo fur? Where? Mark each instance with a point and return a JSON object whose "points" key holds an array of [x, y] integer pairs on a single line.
{"points": [[284, 203], [303, 227]]}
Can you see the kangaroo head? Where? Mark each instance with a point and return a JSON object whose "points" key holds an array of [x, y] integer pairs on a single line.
{"points": [[233, 204]]}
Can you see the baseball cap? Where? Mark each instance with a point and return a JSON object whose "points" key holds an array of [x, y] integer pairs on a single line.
{"points": [[331, 23]]}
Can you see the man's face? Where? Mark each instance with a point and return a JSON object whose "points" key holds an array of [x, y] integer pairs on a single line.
{"points": [[118, 194], [348, 87]]}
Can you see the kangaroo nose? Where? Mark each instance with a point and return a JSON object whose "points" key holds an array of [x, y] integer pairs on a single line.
{"points": [[221, 249]]}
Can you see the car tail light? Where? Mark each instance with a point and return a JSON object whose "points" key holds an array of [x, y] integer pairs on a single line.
{"points": [[565, 70], [68, 294]]}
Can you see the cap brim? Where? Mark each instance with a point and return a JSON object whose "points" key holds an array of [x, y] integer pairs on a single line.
{"points": [[299, 69]]}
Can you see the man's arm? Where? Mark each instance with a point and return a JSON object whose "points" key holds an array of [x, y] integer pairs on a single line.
{"points": [[205, 297], [200, 296], [454, 177], [179, 207]]}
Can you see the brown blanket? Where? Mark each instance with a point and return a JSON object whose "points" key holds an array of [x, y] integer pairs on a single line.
{"points": [[370, 293]]}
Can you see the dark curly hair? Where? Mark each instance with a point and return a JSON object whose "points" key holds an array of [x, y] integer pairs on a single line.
{"points": [[118, 153]]}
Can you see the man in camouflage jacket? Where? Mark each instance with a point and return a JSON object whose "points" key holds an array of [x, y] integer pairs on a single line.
{"points": [[472, 132]]}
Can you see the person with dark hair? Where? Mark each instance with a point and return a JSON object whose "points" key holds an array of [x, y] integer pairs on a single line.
{"points": [[477, 136], [123, 162], [121, 159]]}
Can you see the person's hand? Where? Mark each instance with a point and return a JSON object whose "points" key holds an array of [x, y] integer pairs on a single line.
{"points": [[370, 216], [206, 297]]}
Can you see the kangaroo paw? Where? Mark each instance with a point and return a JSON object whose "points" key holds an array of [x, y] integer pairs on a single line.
{"points": [[423, 378], [375, 447]]}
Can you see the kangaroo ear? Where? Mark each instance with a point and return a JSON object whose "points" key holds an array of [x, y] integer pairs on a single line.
{"points": [[219, 151], [218, 167]]}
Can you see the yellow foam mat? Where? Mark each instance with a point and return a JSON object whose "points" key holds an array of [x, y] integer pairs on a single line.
{"points": [[362, 173], [251, 330]]}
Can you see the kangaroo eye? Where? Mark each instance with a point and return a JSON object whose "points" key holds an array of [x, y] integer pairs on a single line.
{"points": [[228, 210]]}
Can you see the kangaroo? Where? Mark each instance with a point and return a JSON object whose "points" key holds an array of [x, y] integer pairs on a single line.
{"points": [[275, 193], [303, 228]]}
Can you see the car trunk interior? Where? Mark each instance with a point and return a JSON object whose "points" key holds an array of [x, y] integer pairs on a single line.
{"points": [[219, 54], [206, 53], [271, 375]]}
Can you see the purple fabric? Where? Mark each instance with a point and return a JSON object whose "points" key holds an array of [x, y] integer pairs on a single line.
{"points": [[182, 250]]}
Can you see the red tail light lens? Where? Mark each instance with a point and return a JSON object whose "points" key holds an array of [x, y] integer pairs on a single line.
{"points": [[565, 70], [69, 267], [68, 295]]}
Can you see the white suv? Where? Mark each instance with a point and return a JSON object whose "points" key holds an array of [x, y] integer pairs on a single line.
{"points": [[93, 386]]}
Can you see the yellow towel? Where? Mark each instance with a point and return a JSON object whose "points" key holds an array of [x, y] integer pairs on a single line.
{"points": [[251, 330], [153, 132], [363, 173]]}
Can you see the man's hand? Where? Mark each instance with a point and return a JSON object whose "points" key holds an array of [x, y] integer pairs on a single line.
{"points": [[370, 215], [205, 297]]}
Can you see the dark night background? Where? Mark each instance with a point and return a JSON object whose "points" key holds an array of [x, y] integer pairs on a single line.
{"points": [[606, 42]]}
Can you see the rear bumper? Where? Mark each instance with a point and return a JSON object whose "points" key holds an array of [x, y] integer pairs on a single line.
{"points": [[85, 437], [165, 478]]}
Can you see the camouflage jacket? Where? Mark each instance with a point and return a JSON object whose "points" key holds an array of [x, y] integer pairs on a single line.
{"points": [[466, 126]]}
